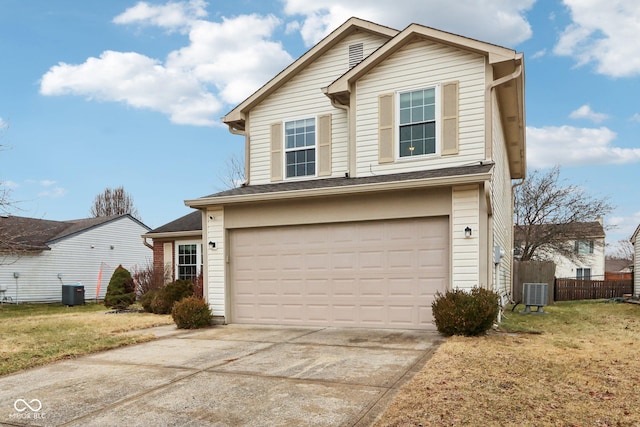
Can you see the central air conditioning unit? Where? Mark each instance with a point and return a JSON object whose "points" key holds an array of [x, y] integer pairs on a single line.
{"points": [[535, 295]]}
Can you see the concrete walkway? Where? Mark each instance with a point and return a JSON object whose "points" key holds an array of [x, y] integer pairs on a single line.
{"points": [[224, 376]]}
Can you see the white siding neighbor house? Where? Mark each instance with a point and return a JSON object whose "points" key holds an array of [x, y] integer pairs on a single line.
{"points": [[635, 239], [379, 170], [581, 254], [38, 256]]}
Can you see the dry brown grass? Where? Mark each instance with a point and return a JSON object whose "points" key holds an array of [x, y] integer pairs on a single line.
{"points": [[36, 334], [581, 367]]}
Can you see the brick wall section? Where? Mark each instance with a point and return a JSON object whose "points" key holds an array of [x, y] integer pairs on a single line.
{"points": [[158, 255]]}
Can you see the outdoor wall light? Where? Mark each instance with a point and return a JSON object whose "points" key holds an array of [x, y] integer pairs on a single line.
{"points": [[467, 232], [212, 245], [16, 275]]}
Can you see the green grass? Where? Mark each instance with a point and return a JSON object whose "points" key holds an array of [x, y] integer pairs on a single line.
{"points": [[36, 334]]}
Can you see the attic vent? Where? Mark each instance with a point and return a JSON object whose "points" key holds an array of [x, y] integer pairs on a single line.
{"points": [[535, 294], [356, 54]]}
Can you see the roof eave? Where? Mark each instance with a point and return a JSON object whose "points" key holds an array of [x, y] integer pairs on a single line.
{"points": [[337, 191], [173, 234]]}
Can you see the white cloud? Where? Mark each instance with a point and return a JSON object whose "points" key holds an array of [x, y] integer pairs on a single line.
{"points": [[572, 146], [585, 112], [539, 54], [508, 25], [3, 124], [603, 32], [47, 183], [635, 117], [11, 185], [223, 63], [171, 16], [53, 193]]}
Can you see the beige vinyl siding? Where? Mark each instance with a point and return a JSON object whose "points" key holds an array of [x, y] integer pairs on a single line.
{"points": [[78, 258], [418, 65], [502, 200], [216, 260], [302, 97], [465, 252]]}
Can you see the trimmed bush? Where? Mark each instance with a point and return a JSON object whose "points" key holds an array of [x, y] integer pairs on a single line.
{"points": [[147, 298], [161, 301], [470, 314], [121, 290], [191, 313]]}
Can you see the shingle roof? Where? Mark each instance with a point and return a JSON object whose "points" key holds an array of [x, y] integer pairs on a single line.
{"points": [[570, 231], [34, 234], [189, 222], [347, 182]]}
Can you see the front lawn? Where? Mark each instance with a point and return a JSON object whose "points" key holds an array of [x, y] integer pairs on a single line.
{"points": [[36, 334], [579, 365]]}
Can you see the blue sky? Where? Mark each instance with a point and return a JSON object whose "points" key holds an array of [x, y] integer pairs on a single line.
{"points": [[97, 94]]}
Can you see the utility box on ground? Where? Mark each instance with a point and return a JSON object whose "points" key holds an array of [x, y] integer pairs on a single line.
{"points": [[73, 294]]}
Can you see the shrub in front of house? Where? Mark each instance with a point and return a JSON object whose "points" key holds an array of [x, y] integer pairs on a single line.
{"points": [[163, 299], [459, 312], [191, 313], [121, 290]]}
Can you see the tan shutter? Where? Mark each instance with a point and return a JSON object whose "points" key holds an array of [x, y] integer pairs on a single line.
{"points": [[450, 118], [276, 152], [386, 129], [324, 145]]}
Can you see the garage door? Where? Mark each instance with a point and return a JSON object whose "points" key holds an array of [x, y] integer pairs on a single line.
{"points": [[359, 274]]}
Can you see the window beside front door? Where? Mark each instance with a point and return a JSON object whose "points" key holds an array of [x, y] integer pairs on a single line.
{"points": [[189, 261], [583, 274], [417, 122], [300, 148]]}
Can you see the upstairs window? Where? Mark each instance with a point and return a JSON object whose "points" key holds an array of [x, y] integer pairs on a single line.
{"points": [[417, 123], [583, 247], [300, 147]]}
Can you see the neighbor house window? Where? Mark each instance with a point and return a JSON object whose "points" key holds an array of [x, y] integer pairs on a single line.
{"points": [[584, 247], [583, 274], [300, 147], [189, 261], [417, 122]]}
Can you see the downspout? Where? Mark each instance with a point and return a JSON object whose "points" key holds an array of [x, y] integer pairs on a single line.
{"points": [[346, 108], [147, 244], [516, 73], [247, 155]]}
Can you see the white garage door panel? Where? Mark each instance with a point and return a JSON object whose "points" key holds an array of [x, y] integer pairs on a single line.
{"points": [[367, 274]]}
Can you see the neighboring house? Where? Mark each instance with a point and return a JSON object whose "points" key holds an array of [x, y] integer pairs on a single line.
{"points": [[378, 173], [177, 247], [635, 239], [38, 256], [618, 269], [583, 245]]}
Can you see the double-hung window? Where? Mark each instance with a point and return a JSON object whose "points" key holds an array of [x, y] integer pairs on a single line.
{"points": [[583, 274], [417, 122], [189, 261], [300, 147], [583, 247]]}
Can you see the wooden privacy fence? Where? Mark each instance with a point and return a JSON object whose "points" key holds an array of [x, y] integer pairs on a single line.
{"points": [[532, 272], [572, 289]]}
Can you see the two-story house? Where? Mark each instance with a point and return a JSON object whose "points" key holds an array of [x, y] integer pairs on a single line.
{"points": [[378, 173], [578, 251]]}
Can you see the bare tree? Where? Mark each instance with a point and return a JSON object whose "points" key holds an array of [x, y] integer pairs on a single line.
{"points": [[622, 249], [114, 202], [233, 175], [547, 214]]}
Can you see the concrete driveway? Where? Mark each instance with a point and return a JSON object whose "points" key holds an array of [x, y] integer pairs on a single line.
{"points": [[224, 376]]}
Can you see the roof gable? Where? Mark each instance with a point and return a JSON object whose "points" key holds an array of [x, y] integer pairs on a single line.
{"points": [[186, 223], [34, 234], [235, 119], [572, 231]]}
